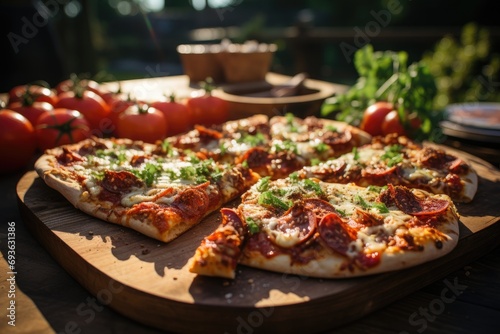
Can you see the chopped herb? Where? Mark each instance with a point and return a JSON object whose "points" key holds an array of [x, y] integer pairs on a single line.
{"points": [[341, 212], [253, 227], [331, 128], [290, 119], [365, 205], [321, 147], [362, 202], [267, 198], [253, 140], [355, 153], [380, 207], [311, 185], [223, 148], [263, 184], [294, 177], [166, 148], [287, 145], [149, 173], [392, 155], [315, 161], [244, 164], [376, 189]]}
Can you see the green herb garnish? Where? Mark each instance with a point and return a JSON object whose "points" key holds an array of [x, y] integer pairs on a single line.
{"points": [[267, 198], [253, 227]]}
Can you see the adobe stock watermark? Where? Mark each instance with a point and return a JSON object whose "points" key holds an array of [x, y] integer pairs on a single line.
{"points": [[11, 274], [420, 318], [88, 309], [31, 25], [363, 36]]}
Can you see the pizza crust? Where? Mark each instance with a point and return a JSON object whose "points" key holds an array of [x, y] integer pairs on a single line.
{"points": [[470, 185], [57, 179], [329, 264]]}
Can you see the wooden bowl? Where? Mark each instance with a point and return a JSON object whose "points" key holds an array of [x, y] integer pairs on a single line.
{"points": [[251, 98]]}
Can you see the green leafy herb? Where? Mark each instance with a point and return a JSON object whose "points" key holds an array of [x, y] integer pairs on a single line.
{"points": [[267, 198], [294, 177], [149, 174], [286, 145], [386, 76], [263, 184], [166, 148], [392, 155], [365, 205], [321, 147], [253, 140], [376, 189], [253, 227], [311, 185], [331, 128], [355, 153], [290, 119]]}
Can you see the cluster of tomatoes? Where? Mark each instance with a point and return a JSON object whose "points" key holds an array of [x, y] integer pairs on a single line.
{"points": [[382, 118], [36, 118]]}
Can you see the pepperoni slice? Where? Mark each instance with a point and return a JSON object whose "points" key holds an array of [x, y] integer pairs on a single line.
{"points": [[230, 217], [192, 202], [378, 171], [68, 157], [407, 202], [256, 157], [335, 233], [320, 207], [366, 218], [337, 140], [207, 134], [297, 221], [120, 182], [137, 160]]}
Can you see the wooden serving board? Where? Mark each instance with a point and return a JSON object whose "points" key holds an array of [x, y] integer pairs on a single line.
{"points": [[148, 281]]}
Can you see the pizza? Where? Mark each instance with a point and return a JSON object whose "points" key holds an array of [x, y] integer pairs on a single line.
{"points": [[328, 230], [275, 146], [154, 189], [316, 197], [397, 160]]}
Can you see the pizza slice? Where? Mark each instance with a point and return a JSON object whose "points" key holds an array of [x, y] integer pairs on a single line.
{"points": [[295, 142], [156, 190], [228, 141], [398, 160], [327, 230]]}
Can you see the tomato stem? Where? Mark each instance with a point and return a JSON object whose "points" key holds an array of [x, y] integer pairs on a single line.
{"points": [[208, 85]]}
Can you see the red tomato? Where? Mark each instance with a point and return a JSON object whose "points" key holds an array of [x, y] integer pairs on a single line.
{"points": [[392, 124], [61, 126], [91, 105], [176, 115], [74, 84], [31, 110], [206, 109], [116, 108], [142, 122], [37, 93], [17, 141], [374, 116]]}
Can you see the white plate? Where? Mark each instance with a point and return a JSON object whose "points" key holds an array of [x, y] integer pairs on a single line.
{"points": [[484, 115]]}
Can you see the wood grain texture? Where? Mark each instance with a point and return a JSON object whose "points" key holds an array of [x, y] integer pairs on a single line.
{"points": [[148, 281]]}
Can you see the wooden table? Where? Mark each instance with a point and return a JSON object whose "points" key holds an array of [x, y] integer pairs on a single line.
{"points": [[47, 299]]}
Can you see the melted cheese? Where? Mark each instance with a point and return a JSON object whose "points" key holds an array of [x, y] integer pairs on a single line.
{"points": [[345, 199]]}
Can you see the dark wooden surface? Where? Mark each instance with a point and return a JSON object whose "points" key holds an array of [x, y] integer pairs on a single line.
{"points": [[48, 299]]}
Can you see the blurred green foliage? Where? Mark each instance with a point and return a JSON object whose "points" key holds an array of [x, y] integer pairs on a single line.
{"points": [[465, 70]]}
